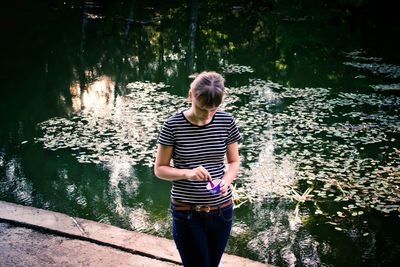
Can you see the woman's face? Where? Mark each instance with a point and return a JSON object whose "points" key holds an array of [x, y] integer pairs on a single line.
{"points": [[203, 112]]}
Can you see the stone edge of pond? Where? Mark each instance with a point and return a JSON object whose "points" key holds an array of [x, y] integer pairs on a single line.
{"points": [[146, 245]]}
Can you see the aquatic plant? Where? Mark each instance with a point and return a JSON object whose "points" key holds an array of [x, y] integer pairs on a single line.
{"points": [[343, 145], [373, 64], [127, 131]]}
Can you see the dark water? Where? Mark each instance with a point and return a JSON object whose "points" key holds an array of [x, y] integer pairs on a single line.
{"points": [[314, 88]]}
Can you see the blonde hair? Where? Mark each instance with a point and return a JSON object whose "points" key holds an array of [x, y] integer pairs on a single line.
{"points": [[208, 87]]}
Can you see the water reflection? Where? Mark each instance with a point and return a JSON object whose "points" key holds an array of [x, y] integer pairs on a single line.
{"points": [[360, 60], [121, 172], [74, 191], [267, 176], [14, 181], [127, 130], [280, 238], [97, 96]]}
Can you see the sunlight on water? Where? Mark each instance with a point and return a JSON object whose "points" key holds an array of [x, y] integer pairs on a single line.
{"points": [[139, 219], [280, 236], [372, 64], [14, 181], [2, 158], [386, 87], [120, 169], [98, 96], [128, 130], [267, 177], [74, 192], [239, 229], [121, 173]]}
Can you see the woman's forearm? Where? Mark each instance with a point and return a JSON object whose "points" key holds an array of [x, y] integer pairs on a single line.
{"points": [[231, 172], [170, 173]]}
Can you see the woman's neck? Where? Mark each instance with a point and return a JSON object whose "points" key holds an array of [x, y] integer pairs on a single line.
{"points": [[191, 116]]}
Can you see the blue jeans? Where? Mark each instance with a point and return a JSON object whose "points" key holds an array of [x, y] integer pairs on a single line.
{"points": [[201, 237]]}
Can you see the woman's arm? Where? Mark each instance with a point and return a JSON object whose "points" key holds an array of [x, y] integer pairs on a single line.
{"points": [[233, 160], [163, 170]]}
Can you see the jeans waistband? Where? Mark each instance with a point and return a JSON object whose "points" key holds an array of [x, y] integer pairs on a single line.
{"points": [[179, 206]]}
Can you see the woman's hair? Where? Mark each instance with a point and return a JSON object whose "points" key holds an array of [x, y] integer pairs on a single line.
{"points": [[208, 88]]}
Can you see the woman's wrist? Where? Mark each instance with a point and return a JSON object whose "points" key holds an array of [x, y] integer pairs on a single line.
{"points": [[184, 174]]}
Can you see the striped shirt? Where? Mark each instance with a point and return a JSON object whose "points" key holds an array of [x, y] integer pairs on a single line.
{"points": [[199, 145]]}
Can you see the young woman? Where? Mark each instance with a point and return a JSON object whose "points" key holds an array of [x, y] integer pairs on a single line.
{"points": [[202, 143]]}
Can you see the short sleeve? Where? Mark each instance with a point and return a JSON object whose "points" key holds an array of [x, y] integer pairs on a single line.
{"points": [[234, 134], [166, 136]]}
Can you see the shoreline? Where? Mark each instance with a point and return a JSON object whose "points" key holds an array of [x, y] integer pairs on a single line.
{"points": [[58, 224]]}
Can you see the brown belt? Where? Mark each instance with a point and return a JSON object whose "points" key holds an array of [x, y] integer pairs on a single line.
{"points": [[179, 206]]}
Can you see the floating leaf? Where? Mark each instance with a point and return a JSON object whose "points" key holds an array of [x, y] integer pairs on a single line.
{"points": [[340, 214]]}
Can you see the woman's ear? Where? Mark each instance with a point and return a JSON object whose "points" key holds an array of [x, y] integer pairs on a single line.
{"points": [[190, 95]]}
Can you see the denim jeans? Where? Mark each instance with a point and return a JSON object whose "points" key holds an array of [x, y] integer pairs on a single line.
{"points": [[201, 237]]}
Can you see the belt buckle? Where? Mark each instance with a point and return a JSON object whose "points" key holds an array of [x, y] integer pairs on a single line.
{"points": [[198, 208]]}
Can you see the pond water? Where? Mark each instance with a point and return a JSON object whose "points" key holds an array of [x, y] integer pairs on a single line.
{"points": [[87, 85]]}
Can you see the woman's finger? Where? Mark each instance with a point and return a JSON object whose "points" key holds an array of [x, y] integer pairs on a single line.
{"points": [[205, 175]]}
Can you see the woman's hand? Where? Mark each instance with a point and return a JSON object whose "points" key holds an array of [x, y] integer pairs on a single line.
{"points": [[199, 173], [224, 187]]}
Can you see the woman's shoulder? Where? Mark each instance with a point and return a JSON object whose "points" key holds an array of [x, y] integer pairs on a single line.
{"points": [[224, 115], [176, 117]]}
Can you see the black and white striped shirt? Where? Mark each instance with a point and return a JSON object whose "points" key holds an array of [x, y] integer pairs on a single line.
{"points": [[199, 145]]}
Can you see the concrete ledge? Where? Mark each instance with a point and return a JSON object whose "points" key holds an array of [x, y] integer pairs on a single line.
{"points": [[137, 243]]}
